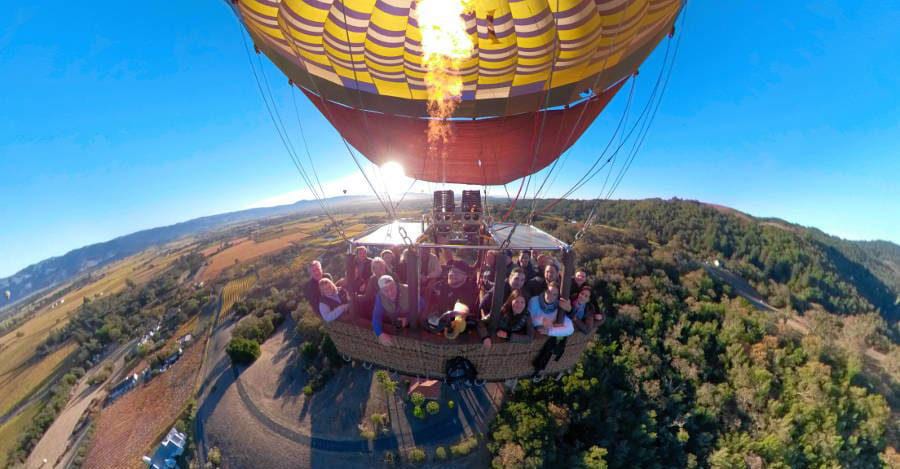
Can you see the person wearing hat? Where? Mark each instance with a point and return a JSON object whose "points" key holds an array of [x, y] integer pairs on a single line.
{"points": [[367, 300], [457, 287], [391, 307]]}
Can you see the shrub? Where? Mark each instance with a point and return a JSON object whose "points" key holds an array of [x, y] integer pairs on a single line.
{"points": [[308, 390], [433, 407], [451, 404], [417, 399], [309, 351], [440, 453], [464, 447], [215, 456], [418, 412], [243, 351], [366, 433], [416, 456]]}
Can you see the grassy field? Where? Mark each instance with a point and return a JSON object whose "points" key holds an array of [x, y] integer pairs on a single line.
{"points": [[21, 373], [20, 383], [9, 433], [130, 427]]}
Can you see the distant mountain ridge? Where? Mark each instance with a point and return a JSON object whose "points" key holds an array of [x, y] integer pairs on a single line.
{"points": [[56, 270]]}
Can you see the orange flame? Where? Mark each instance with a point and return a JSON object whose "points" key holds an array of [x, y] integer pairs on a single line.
{"points": [[445, 46]]}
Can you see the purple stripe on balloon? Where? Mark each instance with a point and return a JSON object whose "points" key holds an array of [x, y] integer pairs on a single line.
{"points": [[387, 32], [301, 19], [493, 86], [391, 78], [574, 10], [389, 45], [343, 9], [317, 4], [577, 24], [391, 9], [349, 27]]}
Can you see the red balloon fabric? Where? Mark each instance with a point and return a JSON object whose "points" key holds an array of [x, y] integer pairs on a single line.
{"points": [[487, 151]]}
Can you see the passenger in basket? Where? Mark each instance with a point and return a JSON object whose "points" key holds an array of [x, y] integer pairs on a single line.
{"points": [[458, 287], [538, 285], [392, 307], [515, 321], [526, 265], [388, 257], [362, 266], [333, 301], [545, 312], [451, 323], [311, 289], [488, 324], [579, 280], [367, 299], [584, 312]]}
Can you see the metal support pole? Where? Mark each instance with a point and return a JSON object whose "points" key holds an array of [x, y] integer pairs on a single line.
{"points": [[567, 273], [500, 286], [412, 277]]}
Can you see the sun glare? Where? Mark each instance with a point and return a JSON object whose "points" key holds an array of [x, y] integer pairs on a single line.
{"points": [[393, 175]]}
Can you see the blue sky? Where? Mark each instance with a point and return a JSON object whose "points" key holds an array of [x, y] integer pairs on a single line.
{"points": [[118, 118]]}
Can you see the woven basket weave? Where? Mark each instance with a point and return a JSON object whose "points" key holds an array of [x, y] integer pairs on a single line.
{"points": [[415, 357]]}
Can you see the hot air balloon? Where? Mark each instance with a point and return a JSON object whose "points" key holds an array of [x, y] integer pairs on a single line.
{"points": [[537, 74], [8, 294], [458, 91]]}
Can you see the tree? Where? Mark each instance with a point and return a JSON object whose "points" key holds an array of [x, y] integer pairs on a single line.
{"points": [[243, 351]]}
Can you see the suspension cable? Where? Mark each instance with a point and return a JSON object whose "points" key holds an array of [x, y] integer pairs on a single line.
{"points": [[645, 130], [327, 111], [282, 137], [577, 121]]}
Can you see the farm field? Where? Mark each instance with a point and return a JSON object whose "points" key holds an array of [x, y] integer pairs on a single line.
{"points": [[272, 239], [247, 250], [20, 378], [130, 427], [234, 290], [21, 382], [10, 431]]}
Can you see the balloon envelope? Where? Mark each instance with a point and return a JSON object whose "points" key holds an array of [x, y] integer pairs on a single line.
{"points": [[530, 57]]}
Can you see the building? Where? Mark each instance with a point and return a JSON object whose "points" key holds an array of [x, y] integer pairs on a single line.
{"points": [[124, 386], [429, 388], [171, 447]]}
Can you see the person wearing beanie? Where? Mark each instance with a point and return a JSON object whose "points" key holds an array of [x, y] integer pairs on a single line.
{"points": [[391, 307]]}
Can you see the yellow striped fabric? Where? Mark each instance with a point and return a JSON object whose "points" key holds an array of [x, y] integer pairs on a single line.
{"points": [[522, 47]]}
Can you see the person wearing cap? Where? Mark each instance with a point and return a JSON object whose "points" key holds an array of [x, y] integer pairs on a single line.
{"points": [[333, 302], [367, 300], [457, 287], [391, 307], [545, 312]]}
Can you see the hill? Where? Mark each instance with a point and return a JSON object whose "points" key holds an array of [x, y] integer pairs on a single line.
{"points": [[56, 270], [789, 264]]}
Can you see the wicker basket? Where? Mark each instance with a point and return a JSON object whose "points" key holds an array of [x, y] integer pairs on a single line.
{"points": [[427, 358]]}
